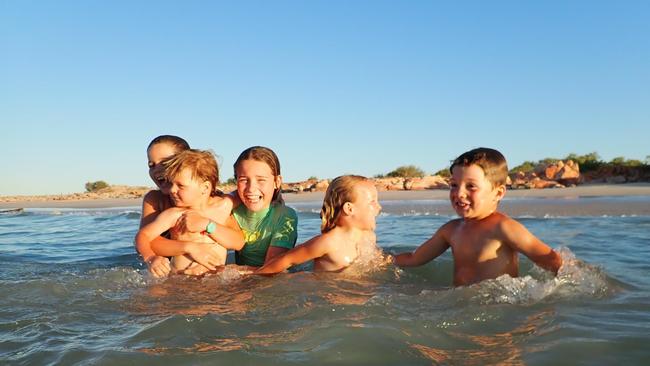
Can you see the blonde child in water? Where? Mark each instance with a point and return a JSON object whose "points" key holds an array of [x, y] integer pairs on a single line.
{"points": [[483, 241], [348, 217], [193, 176]]}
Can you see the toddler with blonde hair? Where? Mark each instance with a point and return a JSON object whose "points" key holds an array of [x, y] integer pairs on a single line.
{"points": [[193, 176], [348, 215]]}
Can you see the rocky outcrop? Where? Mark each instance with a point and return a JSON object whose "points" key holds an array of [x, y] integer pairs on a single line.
{"points": [[389, 184], [553, 175], [312, 185], [427, 182], [618, 174]]}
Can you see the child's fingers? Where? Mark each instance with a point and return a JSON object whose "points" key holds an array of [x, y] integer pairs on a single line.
{"points": [[160, 267], [195, 270], [208, 261], [156, 272], [181, 224]]}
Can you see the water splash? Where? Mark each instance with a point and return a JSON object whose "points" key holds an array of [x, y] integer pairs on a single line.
{"points": [[371, 259], [228, 274], [575, 279]]}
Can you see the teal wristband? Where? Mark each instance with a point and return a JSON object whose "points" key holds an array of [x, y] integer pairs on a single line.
{"points": [[211, 227]]}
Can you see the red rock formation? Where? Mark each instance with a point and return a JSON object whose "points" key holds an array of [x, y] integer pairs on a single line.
{"points": [[427, 182]]}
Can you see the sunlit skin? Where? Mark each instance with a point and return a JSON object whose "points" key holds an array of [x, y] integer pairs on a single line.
{"points": [[191, 196], [339, 247], [256, 184], [484, 242], [155, 155], [156, 201]]}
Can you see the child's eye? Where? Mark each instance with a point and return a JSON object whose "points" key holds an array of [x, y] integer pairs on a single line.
{"points": [[151, 164]]}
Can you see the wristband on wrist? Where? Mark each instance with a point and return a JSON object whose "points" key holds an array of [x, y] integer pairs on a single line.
{"points": [[211, 227]]}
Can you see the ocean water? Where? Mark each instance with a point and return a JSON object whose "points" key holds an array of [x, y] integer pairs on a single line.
{"points": [[74, 292]]}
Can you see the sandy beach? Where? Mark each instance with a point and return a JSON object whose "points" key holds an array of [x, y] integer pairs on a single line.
{"points": [[560, 201]]}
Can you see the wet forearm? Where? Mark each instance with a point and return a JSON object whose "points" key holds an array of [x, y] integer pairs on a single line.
{"points": [[168, 248], [404, 260], [554, 263], [143, 246], [228, 237], [276, 265]]}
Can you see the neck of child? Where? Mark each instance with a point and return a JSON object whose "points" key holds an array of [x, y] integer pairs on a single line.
{"points": [[480, 217], [201, 204], [250, 211], [351, 231]]}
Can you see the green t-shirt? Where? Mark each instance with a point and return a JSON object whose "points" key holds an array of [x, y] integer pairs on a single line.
{"points": [[277, 226]]}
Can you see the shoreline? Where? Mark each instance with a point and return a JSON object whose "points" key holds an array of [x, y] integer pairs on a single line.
{"points": [[598, 190]]}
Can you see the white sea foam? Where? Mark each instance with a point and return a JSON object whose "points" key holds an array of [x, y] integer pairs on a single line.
{"points": [[575, 279]]}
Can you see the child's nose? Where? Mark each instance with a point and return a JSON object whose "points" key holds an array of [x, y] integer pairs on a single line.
{"points": [[461, 192]]}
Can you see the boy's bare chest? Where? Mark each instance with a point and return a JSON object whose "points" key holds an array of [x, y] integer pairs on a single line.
{"points": [[476, 246]]}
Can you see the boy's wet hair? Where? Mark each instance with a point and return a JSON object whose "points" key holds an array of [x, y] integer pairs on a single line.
{"points": [[340, 191], [491, 161], [265, 155], [201, 163], [178, 143]]}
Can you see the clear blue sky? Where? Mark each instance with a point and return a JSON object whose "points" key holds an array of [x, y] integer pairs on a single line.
{"points": [[333, 87]]}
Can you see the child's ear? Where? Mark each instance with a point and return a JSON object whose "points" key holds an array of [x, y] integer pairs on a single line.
{"points": [[278, 182], [348, 208], [206, 187], [501, 192]]}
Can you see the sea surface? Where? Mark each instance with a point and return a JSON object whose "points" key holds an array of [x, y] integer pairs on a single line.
{"points": [[73, 292]]}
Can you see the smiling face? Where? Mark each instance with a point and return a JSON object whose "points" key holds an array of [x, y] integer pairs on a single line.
{"points": [[471, 194], [156, 154], [187, 191], [256, 184]]}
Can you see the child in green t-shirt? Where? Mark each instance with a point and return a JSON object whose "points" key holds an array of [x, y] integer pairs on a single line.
{"points": [[269, 226]]}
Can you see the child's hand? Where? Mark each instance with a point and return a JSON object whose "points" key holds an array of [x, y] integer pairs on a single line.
{"points": [[195, 270], [191, 221], [204, 254], [158, 266]]}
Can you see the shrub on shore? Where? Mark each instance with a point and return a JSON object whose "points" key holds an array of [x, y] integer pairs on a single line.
{"points": [[406, 171], [96, 186]]}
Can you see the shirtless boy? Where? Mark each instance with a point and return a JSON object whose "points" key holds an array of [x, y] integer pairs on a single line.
{"points": [[484, 242]]}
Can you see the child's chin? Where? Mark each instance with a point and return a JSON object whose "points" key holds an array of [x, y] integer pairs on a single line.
{"points": [[257, 206]]}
